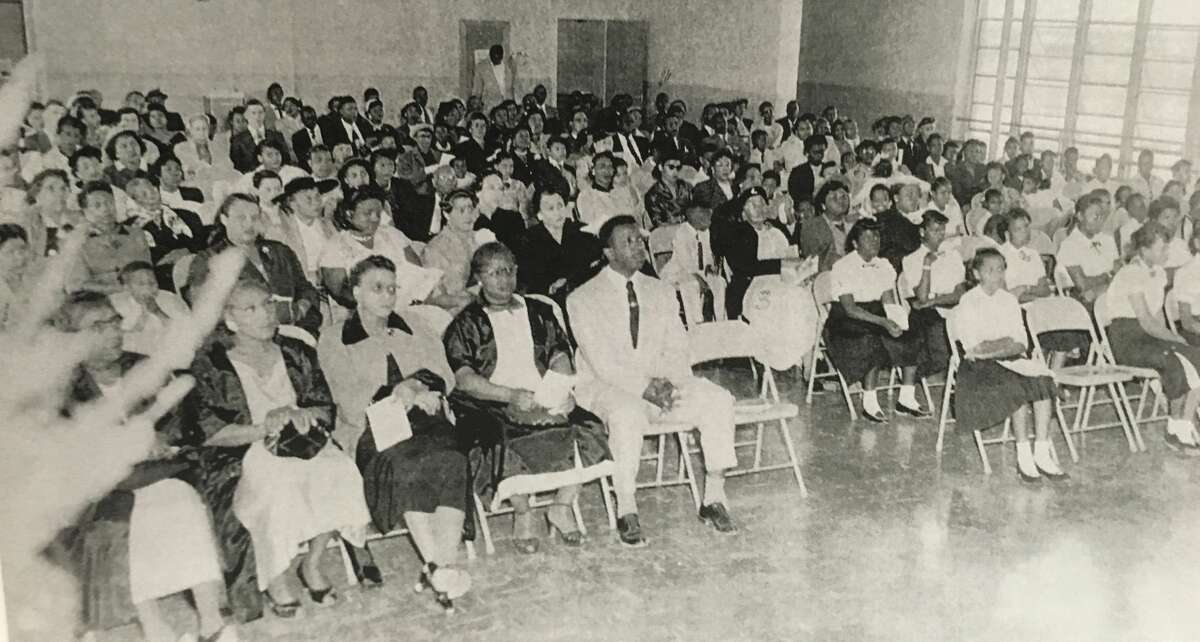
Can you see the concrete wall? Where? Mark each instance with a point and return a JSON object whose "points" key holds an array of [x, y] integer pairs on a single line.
{"points": [[317, 48], [872, 58]]}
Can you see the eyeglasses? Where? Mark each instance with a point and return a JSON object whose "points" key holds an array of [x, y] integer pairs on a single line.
{"points": [[673, 166], [500, 272]]}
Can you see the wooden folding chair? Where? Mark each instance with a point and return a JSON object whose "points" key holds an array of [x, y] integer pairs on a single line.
{"points": [[1151, 388]]}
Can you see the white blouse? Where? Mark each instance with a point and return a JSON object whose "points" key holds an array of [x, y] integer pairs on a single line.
{"points": [[515, 367], [264, 394], [1095, 256], [866, 281], [1023, 266], [1136, 278], [980, 318], [772, 244], [946, 273], [1187, 284]]}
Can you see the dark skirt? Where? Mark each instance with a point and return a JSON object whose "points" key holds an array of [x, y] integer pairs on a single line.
{"points": [[1065, 341], [1133, 347], [220, 470], [987, 393], [416, 475], [857, 347], [934, 354], [501, 448]]}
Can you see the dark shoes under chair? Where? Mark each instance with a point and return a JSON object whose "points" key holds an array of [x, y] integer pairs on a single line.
{"points": [[447, 585], [717, 516], [629, 530]]}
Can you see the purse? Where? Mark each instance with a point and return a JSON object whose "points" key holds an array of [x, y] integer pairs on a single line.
{"points": [[290, 442]]}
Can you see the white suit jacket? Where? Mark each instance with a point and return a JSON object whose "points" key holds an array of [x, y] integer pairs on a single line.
{"points": [[606, 357], [485, 86]]}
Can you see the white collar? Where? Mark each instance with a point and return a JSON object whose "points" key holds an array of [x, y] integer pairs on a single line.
{"points": [[617, 278]]}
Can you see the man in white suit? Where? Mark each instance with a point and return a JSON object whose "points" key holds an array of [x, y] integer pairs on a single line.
{"points": [[494, 78], [634, 369]]}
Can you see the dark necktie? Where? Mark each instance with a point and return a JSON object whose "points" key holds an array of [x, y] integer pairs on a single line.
{"points": [[700, 254], [633, 312]]}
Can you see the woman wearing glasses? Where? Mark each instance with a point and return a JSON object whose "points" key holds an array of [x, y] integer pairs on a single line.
{"points": [[670, 194]]}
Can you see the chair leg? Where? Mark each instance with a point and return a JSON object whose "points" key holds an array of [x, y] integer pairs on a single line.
{"points": [[482, 516], [687, 465], [1132, 425], [351, 576], [846, 396], [606, 493], [787, 442], [928, 397], [812, 376], [758, 445], [578, 516], [1066, 432], [470, 550], [987, 467], [662, 453], [945, 415], [1118, 399]]}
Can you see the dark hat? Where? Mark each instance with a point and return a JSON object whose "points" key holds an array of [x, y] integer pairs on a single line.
{"points": [[295, 186], [156, 93], [928, 120]]}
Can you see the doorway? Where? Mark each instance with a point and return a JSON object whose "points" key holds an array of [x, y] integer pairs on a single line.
{"points": [[475, 38]]}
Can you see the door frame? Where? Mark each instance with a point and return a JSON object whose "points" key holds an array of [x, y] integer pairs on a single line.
{"points": [[466, 65]]}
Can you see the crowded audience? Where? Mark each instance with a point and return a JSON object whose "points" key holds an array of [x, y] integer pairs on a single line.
{"points": [[567, 249]]}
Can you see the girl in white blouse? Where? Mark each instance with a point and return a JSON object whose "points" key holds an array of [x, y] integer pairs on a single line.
{"points": [[863, 341], [1187, 294], [1140, 337], [995, 379]]}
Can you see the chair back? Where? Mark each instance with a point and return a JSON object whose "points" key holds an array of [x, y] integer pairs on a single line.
{"points": [[822, 288], [952, 335], [662, 245], [296, 332], [1043, 218], [1171, 310], [436, 318], [558, 313], [1054, 313], [181, 271], [724, 340], [1042, 242]]}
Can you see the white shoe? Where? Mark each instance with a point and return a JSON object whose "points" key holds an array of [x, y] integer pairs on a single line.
{"points": [[1027, 468], [1046, 462]]}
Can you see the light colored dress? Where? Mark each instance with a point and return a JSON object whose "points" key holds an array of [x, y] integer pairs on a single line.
{"points": [[285, 501]]}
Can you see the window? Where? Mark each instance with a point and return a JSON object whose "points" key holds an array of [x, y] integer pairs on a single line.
{"points": [[1106, 76]]}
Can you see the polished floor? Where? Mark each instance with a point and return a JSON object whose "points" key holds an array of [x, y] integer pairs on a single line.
{"points": [[890, 545]]}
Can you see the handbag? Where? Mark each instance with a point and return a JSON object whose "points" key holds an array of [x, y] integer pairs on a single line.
{"points": [[290, 442]]}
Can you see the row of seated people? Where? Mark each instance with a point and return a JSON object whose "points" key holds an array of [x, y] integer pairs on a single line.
{"points": [[277, 439]]}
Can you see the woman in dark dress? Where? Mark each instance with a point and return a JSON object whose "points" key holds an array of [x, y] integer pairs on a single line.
{"points": [[556, 254], [500, 347], [253, 385], [419, 482], [296, 301]]}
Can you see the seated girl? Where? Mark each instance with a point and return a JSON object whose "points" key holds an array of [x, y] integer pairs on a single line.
{"points": [[415, 478], [993, 381], [933, 279], [263, 410], [864, 342], [501, 347], [1140, 337], [503, 201]]}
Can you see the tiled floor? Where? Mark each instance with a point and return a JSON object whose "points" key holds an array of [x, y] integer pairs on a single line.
{"points": [[890, 545]]}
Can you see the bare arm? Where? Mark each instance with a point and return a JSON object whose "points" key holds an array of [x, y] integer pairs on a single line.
{"points": [[1149, 322]]}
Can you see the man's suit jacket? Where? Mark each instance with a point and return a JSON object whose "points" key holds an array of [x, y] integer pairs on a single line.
{"points": [[898, 237], [242, 149], [303, 142], [678, 143], [485, 86], [547, 175], [334, 133], [607, 358], [618, 147]]}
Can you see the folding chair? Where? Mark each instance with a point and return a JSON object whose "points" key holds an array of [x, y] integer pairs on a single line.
{"points": [[1149, 378], [375, 536], [733, 340], [823, 296], [1061, 313], [981, 443], [558, 313], [536, 485]]}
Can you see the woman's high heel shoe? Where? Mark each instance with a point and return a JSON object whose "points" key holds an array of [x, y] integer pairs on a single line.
{"points": [[573, 538], [285, 610], [323, 597]]}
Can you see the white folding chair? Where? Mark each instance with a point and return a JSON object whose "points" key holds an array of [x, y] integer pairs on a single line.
{"points": [[823, 296], [1042, 243], [1061, 313], [558, 313], [539, 486], [181, 271], [1151, 388], [375, 536], [735, 340]]}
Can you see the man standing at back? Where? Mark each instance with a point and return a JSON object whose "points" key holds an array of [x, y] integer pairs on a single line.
{"points": [[634, 370], [494, 78]]}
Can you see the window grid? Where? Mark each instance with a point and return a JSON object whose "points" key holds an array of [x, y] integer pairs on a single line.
{"points": [[1086, 98]]}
